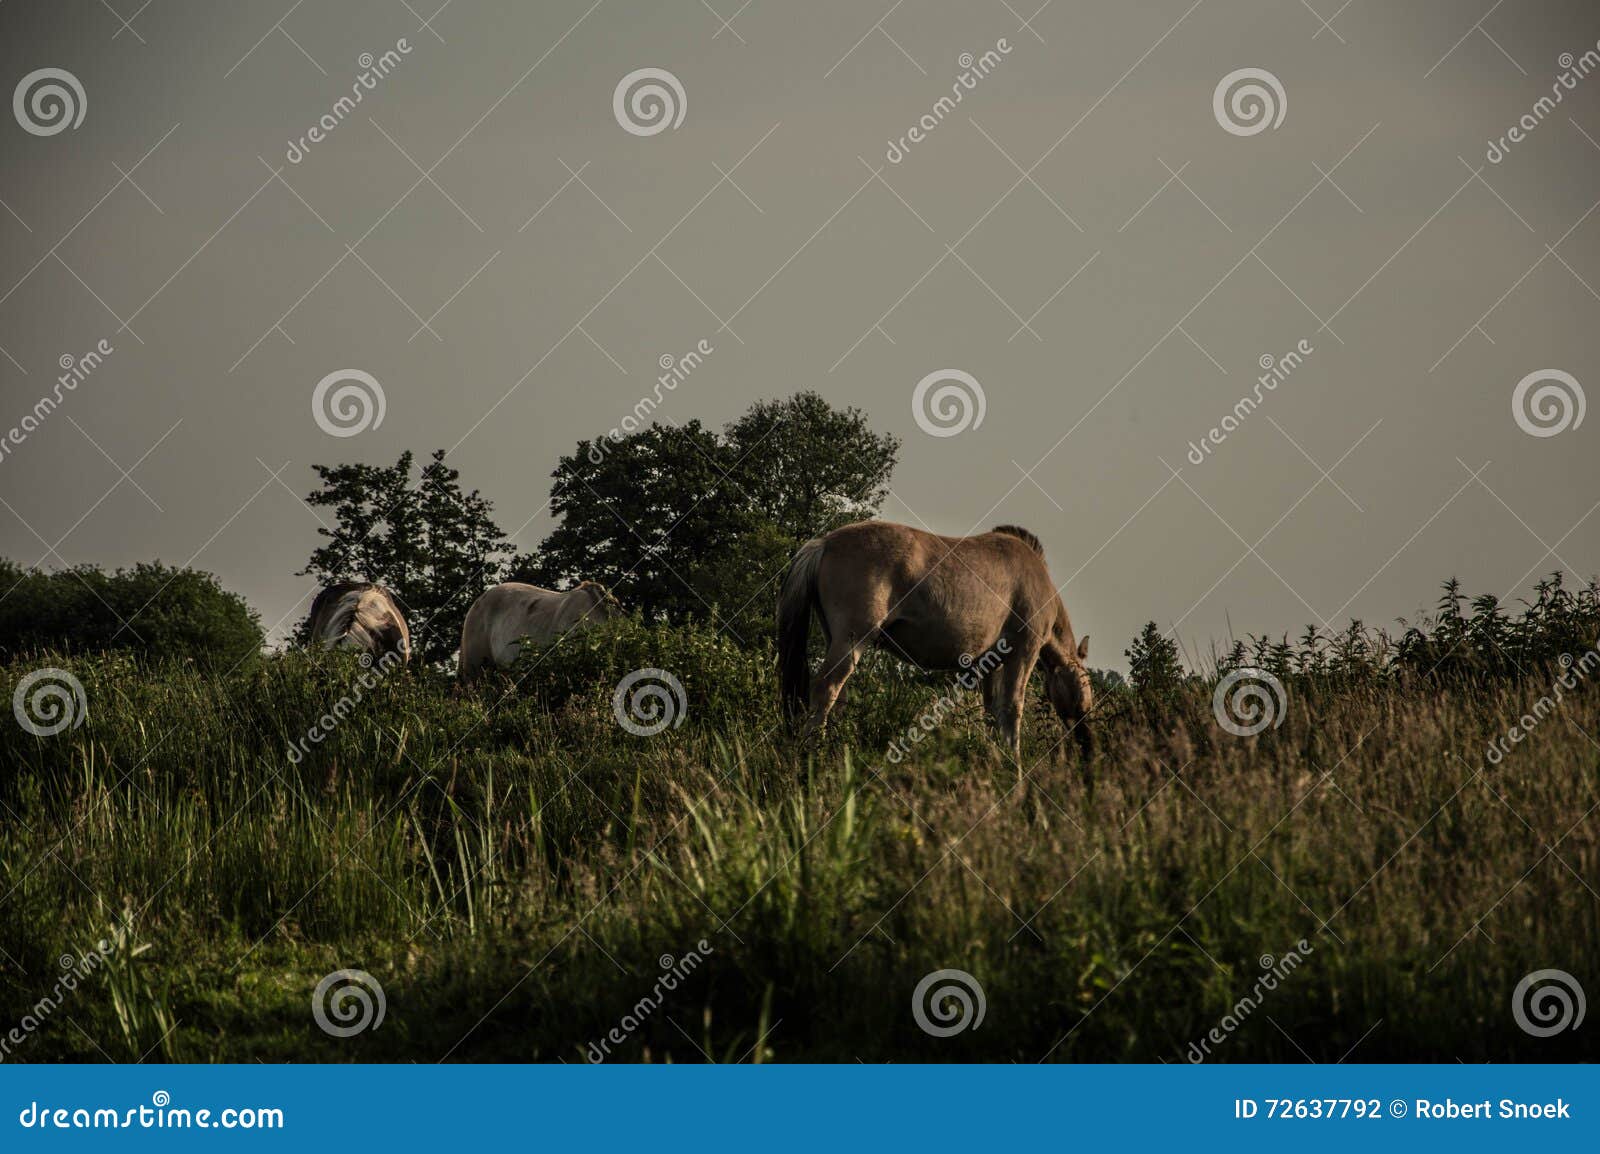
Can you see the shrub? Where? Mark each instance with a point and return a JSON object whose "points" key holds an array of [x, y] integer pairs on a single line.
{"points": [[152, 610]]}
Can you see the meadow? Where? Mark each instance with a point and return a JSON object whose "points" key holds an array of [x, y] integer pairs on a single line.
{"points": [[518, 871]]}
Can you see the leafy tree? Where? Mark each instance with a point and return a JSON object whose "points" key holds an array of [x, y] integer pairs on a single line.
{"points": [[809, 467], [153, 610], [684, 523], [434, 545], [1153, 665], [640, 513]]}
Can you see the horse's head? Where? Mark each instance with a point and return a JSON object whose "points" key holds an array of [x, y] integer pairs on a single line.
{"points": [[603, 603], [1072, 695]]}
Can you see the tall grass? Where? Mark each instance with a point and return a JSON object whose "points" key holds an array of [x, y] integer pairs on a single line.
{"points": [[513, 866]]}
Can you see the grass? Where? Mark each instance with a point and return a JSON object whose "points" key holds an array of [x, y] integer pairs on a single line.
{"points": [[513, 868]]}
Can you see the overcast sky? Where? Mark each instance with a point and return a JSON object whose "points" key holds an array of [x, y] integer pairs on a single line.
{"points": [[1084, 235]]}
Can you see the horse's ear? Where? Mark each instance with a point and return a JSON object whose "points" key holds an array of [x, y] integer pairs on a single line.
{"points": [[1083, 648]]}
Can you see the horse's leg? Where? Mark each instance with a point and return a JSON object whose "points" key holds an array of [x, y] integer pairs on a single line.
{"points": [[1010, 690], [838, 663], [989, 687]]}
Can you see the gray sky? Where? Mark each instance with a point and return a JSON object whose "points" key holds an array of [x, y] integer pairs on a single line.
{"points": [[557, 257]]}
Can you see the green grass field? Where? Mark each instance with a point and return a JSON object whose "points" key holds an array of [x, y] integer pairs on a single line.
{"points": [[517, 871]]}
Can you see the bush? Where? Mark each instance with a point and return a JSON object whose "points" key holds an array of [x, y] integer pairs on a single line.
{"points": [[153, 610]]}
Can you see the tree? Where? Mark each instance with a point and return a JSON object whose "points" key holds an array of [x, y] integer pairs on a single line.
{"points": [[434, 545], [153, 610], [808, 467], [684, 523], [640, 513], [1153, 662]]}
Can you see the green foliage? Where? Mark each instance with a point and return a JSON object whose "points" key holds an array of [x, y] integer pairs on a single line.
{"points": [[808, 467], [1448, 646], [719, 677], [152, 610], [686, 524], [436, 546], [1153, 665], [510, 864]]}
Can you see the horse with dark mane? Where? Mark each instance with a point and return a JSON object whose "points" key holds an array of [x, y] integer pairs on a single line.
{"points": [[362, 616], [938, 603]]}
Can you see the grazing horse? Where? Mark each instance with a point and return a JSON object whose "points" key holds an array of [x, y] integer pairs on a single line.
{"points": [[510, 613], [937, 602], [360, 615]]}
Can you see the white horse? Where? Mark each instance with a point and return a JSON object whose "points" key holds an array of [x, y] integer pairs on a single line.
{"points": [[510, 613], [362, 616]]}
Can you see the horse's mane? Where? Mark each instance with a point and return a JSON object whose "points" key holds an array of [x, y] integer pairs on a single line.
{"points": [[330, 595], [1022, 535]]}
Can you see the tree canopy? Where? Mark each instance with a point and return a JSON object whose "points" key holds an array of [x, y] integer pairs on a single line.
{"points": [[434, 545], [686, 523], [152, 610]]}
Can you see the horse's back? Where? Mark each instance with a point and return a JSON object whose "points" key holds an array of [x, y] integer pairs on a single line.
{"points": [[932, 598], [506, 614]]}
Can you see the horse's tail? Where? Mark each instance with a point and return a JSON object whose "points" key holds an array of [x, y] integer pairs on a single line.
{"points": [[795, 601]]}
